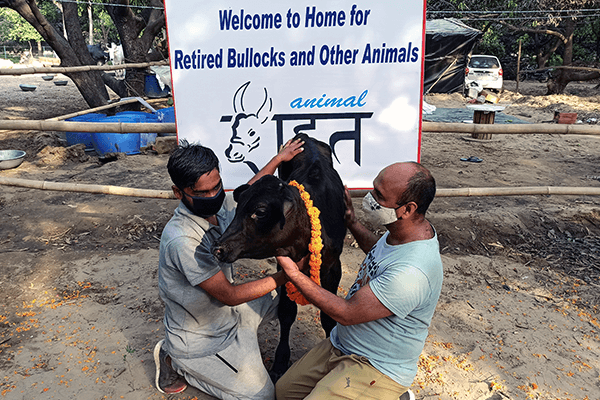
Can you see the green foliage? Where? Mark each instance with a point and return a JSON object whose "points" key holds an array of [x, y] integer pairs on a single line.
{"points": [[129, 350], [554, 60], [490, 44], [525, 39], [517, 17], [581, 53], [103, 29], [585, 42], [50, 10], [8, 56], [14, 28]]}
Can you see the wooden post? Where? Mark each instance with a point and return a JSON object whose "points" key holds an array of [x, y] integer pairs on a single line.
{"points": [[483, 114], [483, 117], [518, 65]]}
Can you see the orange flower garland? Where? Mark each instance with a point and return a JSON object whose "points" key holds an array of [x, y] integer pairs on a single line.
{"points": [[315, 246]]}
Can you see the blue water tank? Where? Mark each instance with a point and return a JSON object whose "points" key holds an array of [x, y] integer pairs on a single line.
{"points": [[74, 138]]}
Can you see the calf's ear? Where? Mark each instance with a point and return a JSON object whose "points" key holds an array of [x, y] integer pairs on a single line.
{"points": [[287, 206], [282, 222], [238, 191]]}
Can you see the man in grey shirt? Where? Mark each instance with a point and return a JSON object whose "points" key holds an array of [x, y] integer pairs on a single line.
{"points": [[210, 324]]}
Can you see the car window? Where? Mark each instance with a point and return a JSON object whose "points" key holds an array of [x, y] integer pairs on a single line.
{"points": [[483, 62]]}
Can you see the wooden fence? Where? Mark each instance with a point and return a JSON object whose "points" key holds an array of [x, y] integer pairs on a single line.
{"points": [[81, 68], [168, 194], [54, 124], [428, 127]]}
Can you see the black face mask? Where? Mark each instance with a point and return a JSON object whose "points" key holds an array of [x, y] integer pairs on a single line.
{"points": [[204, 207]]}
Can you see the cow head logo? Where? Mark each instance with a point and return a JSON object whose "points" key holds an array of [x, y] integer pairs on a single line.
{"points": [[248, 122]]}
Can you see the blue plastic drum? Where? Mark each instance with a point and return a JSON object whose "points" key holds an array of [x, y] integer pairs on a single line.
{"points": [[74, 138], [166, 115], [128, 143]]}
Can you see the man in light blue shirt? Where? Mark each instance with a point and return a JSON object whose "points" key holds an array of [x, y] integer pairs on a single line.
{"points": [[383, 321]]}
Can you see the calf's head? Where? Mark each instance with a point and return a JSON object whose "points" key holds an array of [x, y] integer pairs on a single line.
{"points": [[270, 220]]}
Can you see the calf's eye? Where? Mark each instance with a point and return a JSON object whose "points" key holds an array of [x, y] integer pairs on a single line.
{"points": [[260, 213]]}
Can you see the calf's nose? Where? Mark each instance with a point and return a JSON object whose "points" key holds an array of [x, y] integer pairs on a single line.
{"points": [[218, 251], [225, 251]]}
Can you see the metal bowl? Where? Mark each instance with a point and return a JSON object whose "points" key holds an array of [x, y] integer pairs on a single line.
{"points": [[60, 83], [48, 77], [27, 88], [11, 158]]}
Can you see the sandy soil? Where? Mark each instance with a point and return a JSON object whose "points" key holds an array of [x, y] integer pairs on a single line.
{"points": [[518, 315]]}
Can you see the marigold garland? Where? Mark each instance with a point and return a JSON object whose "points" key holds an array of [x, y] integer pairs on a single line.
{"points": [[315, 246]]}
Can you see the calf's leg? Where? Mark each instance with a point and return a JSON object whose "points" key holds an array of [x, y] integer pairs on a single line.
{"points": [[330, 280], [286, 314], [287, 311]]}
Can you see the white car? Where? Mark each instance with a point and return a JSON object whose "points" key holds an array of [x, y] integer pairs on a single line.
{"points": [[486, 71]]}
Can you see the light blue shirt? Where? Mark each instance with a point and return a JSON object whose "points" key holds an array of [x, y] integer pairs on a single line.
{"points": [[407, 279]]}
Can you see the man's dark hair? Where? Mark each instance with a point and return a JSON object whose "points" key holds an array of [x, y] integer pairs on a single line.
{"points": [[188, 162], [420, 189]]}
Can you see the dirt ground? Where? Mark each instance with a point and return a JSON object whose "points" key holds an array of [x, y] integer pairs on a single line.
{"points": [[518, 314]]}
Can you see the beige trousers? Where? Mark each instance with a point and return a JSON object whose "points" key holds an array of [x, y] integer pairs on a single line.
{"points": [[326, 373]]}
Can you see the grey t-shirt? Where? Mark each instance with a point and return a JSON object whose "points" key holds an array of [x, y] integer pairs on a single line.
{"points": [[196, 324]]}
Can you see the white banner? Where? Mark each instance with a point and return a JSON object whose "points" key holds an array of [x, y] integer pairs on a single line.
{"points": [[248, 76]]}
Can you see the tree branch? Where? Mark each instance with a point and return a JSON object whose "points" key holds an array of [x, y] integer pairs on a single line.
{"points": [[532, 30], [156, 22]]}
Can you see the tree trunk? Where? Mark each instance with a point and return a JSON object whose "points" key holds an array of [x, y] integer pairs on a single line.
{"points": [[72, 53], [541, 62], [542, 58], [596, 30], [569, 31], [136, 37], [562, 77], [90, 84]]}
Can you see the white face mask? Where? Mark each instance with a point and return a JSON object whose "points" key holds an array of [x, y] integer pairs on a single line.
{"points": [[377, 214]]}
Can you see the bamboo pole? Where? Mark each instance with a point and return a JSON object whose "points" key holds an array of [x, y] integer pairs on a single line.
{"points": [[92, 110], [534, 129], [518, 66], [100, 108], [590, 69], [431, 127], [519, 191], [80, 68], [506, 191], [167, 194], [76, 126], [87, 188]]}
